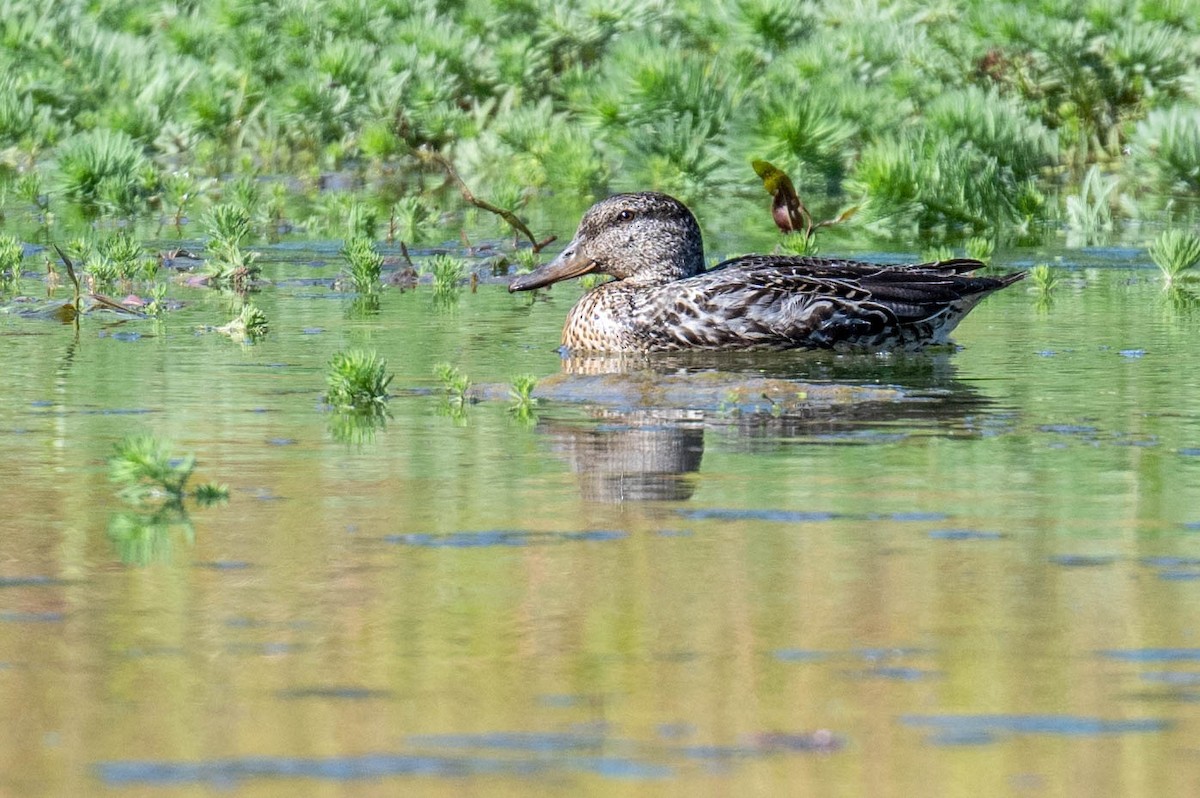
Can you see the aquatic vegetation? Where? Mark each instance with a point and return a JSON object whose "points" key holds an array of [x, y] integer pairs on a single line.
{"points": [[357, 381], [521, 393], [447, 272], [410, 218], [1089, 213], [980, 248], [455, 384], [157, 305], [942, 252], [1043, 278], [144, 468], [105, 166], [249, 325], [1166, 148], [11, 255], [364, 264], [228, 265], [1176, 252]]}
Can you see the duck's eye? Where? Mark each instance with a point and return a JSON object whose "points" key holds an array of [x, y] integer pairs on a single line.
{"points": [[625, 216]]}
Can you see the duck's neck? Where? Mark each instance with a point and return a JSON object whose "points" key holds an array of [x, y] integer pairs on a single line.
{"points": [[673, 263]]}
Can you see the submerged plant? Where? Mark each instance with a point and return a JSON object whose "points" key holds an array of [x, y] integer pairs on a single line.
{"points": [[1176, 253], [357, 381], [364, 263], [144, 468]]}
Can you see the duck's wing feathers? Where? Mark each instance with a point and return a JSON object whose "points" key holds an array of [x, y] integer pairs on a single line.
{"points": [[780, 301]]}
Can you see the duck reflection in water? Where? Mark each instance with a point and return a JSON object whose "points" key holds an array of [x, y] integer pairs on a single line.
{"points": [[645, 439]]}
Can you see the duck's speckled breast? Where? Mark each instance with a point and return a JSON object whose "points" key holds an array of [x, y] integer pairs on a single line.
{"points": [[603, 320]]}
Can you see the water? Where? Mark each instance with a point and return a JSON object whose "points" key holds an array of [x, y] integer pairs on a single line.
{"points": [[969, 573]]}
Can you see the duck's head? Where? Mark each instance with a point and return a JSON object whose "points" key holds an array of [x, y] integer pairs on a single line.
{"points": [[644, 238]]}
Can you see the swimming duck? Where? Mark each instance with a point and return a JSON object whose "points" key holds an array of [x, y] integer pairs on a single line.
{"points": [[664, 299]]}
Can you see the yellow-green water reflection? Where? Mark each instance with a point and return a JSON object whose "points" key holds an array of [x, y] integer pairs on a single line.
{"points": [[612, 600]]}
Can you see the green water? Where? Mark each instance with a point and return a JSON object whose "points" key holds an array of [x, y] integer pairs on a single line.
{"points": [[986, 584]]}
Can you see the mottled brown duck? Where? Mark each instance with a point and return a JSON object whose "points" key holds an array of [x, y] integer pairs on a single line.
{"points": [[663, 298]]}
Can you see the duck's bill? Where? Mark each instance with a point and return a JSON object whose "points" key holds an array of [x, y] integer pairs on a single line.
{"points": [[567, 265]]}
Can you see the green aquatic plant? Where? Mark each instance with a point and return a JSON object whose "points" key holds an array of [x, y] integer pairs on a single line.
{"points": [[455, 384], [227, 225], [410, 217], [980, 248], [523, 400], [1176, 252], [157, 305], [144, 467], [11, 254], [1044, 279], [447, 272], [364, 264], [228, 265], [249, 325], [932, 254], [126, 257], [1166, 148], [1090, 212], [106, 167], [357, 381]]}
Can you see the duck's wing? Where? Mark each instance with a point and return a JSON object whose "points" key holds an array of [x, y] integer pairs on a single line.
{"points": [[780, 301]]}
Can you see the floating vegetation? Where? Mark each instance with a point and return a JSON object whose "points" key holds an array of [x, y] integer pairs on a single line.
{"points": [[357, 381], [248, 326], [1176, 253], [364, 264], [144, 468]]}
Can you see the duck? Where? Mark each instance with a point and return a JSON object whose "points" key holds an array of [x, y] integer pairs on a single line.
{"points": [[662, 297]]}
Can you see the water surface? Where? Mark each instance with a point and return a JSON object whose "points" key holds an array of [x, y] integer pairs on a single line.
{"points": [[966, 573]]}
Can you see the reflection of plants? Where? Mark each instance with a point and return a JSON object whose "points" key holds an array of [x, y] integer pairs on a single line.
{"points": [[1176, 252], [144, 468], [356, 428], [143, 538], [357, 381], [364, 263]]}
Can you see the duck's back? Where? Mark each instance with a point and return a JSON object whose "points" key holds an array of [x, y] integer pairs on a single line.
{"points": [[781, 302]]}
